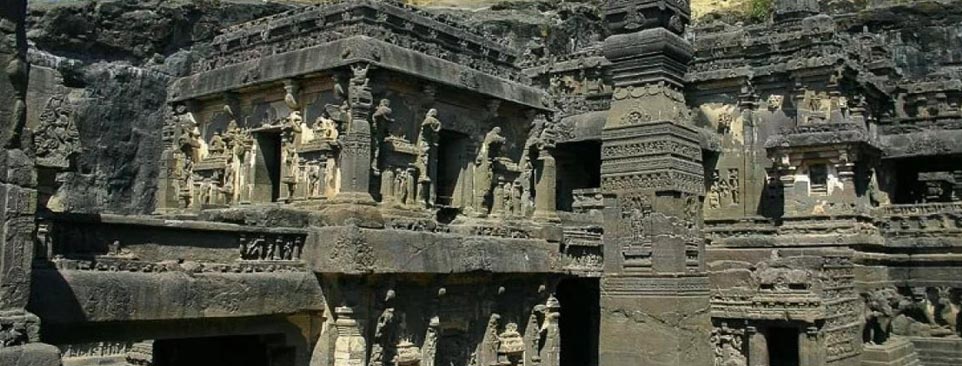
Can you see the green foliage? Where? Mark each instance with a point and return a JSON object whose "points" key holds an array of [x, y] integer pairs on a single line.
{"points": [[759, 10]]}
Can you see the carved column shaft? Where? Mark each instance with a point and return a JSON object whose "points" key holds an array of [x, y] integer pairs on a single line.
{"points": [[652, 163], [350, 348], [546, 189], [757, 348], [356, 150]]}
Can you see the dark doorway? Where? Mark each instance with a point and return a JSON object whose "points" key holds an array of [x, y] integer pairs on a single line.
{"points": [[928, 179], [783, 346], [579, 167], [580, 321], [452, 158], [213, 351], [267, 168]]}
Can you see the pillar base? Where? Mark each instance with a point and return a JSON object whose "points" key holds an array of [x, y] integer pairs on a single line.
{"points": [[655, 320]]}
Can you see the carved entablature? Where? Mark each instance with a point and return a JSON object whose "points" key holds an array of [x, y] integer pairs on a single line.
{"points": [[626, 16], [576, 83], [391, 21]]}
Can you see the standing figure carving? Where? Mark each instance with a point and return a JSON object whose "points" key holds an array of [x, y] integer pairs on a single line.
{"points": [[385, 335], [484, 170], [381, 120], [427, 156]]}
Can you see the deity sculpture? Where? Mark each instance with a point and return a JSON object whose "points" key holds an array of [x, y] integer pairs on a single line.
{"points": [[484, 171], [325, 127], [218, 148], [381, 119], [427, 156]]}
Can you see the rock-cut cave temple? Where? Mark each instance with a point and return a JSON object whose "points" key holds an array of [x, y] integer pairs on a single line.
{"points": [[371, 183]]}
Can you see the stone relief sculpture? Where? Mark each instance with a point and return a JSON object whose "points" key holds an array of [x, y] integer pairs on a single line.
{"points": [[426, 161], [381, 120], [484, 182]]}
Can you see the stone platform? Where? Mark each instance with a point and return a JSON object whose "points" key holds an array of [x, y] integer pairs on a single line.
{"points": [[895, 352], [938, 351]]}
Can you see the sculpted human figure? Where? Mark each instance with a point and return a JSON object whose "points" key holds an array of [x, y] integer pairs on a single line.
{"points": [[217, 145], [325, 127], [382, 120], [427, 155], [483, 171]]}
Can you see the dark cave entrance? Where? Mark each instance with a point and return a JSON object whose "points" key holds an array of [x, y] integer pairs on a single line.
{"points": [[220, 351], [930, 179], [580, 321], [267, 168], [452, 149], [783, 346], [579, 167]]}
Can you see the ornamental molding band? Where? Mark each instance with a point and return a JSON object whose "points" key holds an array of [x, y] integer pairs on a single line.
{"points": [[458, 183]]}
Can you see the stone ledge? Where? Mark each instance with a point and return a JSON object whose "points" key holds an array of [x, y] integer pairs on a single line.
{"points": [[63, 297]]}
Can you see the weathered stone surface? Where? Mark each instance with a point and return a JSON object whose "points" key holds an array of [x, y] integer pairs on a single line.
{"points": [[554, 183]]}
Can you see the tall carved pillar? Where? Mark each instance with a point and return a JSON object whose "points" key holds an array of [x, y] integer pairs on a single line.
{"points": [[356, 153], [652, 163], [19, 329], [810, 350]]}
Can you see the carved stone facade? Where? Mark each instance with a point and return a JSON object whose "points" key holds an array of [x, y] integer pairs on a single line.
{"points": [[366, 182]]}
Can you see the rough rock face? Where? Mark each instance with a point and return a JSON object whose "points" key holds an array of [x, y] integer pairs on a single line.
{"points": [[110, 62]]}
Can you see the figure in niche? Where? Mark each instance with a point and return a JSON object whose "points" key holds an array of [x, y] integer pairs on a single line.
{"points": [[325, 127], [294, 122], [775, 102], [733, 185], [714, 197], [484, 172], [387, 186], [427, 156], [290, 164], [385, 334], [382, 120], [340, 111], [525, 182], [314, 182], [724, 123], [218, 147]]}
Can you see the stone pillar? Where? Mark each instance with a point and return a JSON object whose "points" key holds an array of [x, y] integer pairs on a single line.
{"points": [[350, 349], [653, 165], [810, 350], [355, 157], [18, 200], [757, 347], [546, 188]]}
